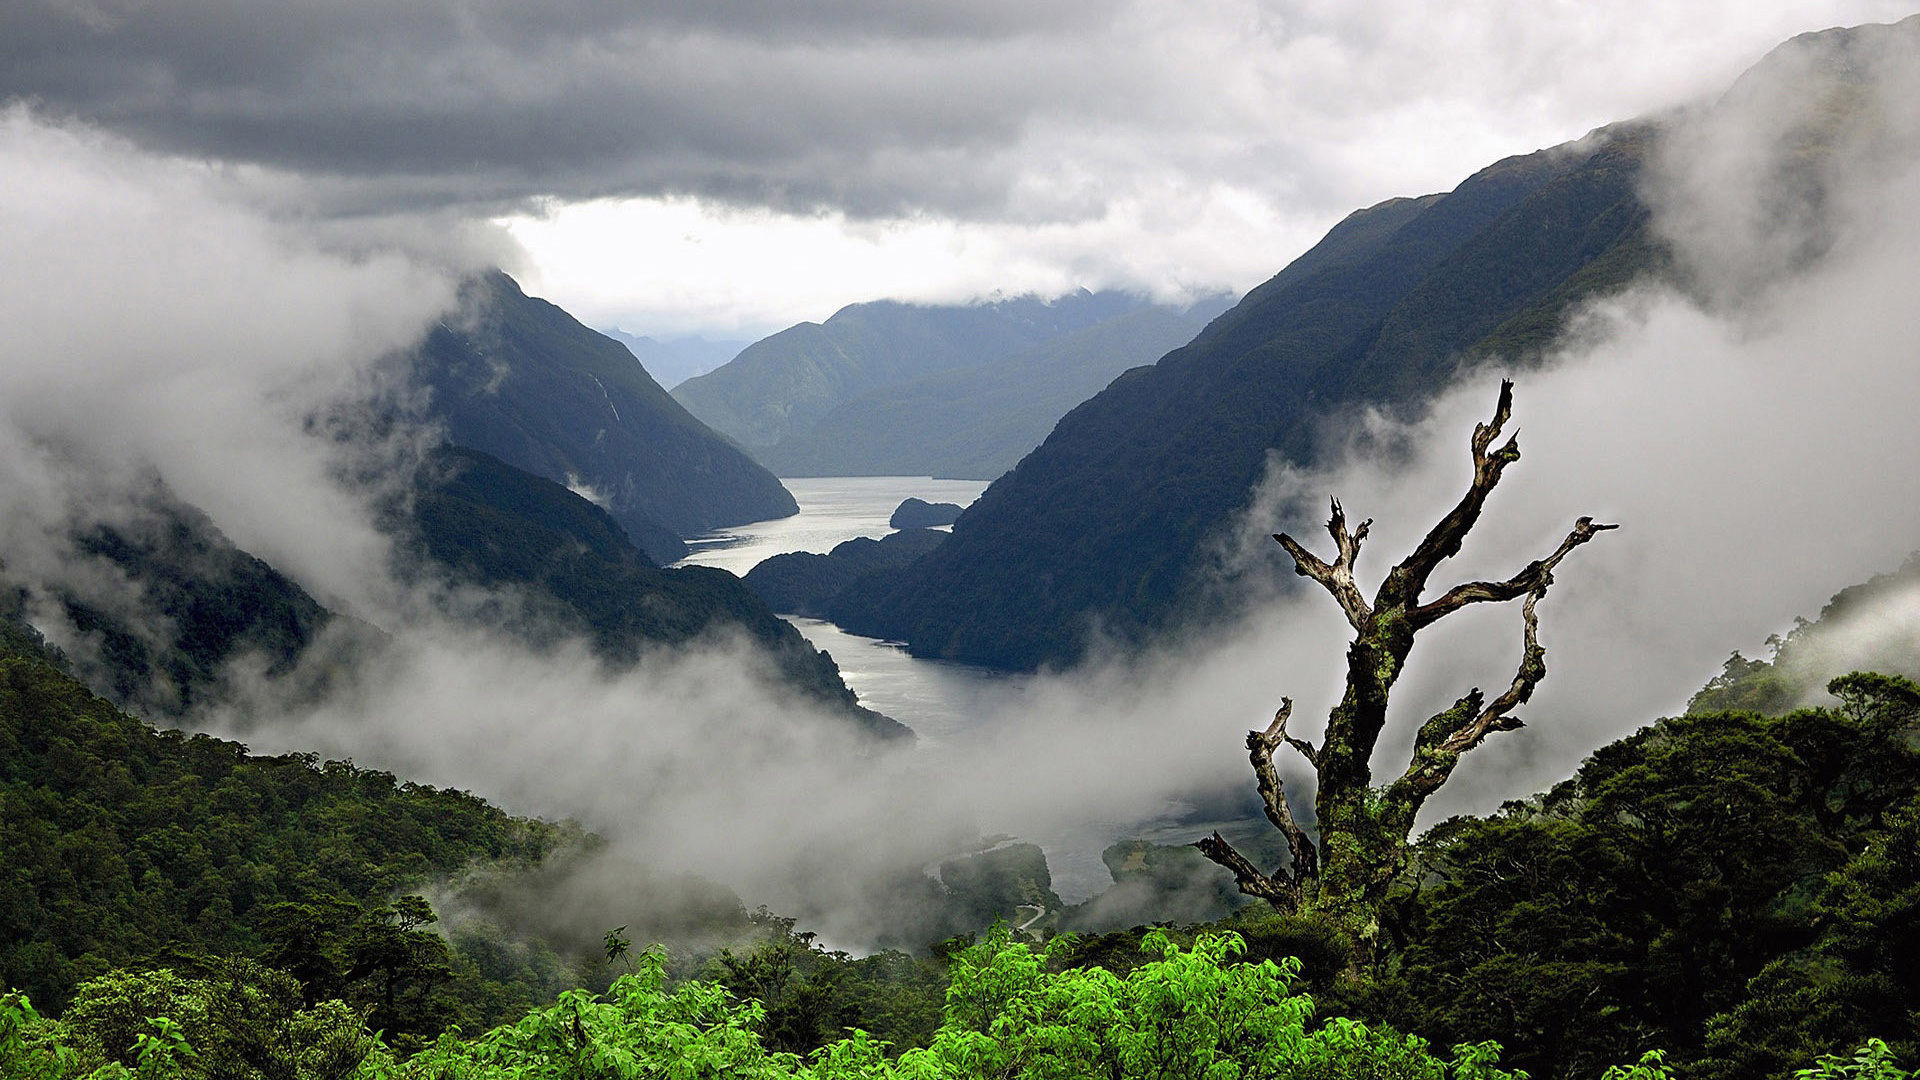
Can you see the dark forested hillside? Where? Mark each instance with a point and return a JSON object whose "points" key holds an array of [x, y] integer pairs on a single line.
{"points": [[123, 844], [1742, 892], [555, 565], [782, 385], [520, 379], [1109, 520], [158, 603]]}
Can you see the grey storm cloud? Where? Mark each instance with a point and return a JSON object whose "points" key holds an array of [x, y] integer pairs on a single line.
{"points": [[867, 105], [1002, 110]]}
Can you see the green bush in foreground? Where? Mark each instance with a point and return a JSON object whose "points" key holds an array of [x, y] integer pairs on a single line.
{"points": [[1188, 1014]]}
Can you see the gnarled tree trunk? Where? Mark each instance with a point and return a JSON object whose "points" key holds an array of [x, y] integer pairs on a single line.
{"points": [[1364, 827]]}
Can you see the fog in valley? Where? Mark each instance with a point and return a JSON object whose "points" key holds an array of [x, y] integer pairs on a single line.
{"points": [[1751, 432]]}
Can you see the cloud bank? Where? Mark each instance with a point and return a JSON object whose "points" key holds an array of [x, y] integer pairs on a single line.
{"points": [[946, 149], [1749, 435]]}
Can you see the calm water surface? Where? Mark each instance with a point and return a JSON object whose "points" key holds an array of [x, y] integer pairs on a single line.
{"points": [[832, 509]]}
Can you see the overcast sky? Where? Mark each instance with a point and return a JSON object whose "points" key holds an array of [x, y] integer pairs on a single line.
{"points": [[730, 166]]}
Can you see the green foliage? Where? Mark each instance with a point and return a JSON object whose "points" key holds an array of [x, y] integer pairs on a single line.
{"points": [[1883, 704], [243, 1022], [1874, 1061], [120, 843], [617, 946], [811, 997], [1741, 892], [1186, 1013], [1011, 1012]]}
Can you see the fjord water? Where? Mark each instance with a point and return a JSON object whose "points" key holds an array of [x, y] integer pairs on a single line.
{"points": [[947, 704], [937, 699], [832, 509]]}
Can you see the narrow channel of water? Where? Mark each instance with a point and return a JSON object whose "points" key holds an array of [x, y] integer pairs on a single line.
{"points": [[938, 699], [942, 701]]}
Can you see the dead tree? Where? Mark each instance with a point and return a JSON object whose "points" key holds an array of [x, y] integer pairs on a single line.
{"points": [[1363, 827]]}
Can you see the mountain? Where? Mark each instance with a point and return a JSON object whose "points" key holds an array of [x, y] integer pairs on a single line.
{"points": [[783, 385], [161, 609], [518, 378], [1109, 521], [555, 565], [978, 421], [1110, 527], [675, 360]]}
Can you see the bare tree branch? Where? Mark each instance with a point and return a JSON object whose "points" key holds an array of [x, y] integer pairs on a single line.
{"points": [[1337, 576], [1281, 893], [1442, 739], [1283, 885], [1405, 582], [1261, 746], [1535, 578]]}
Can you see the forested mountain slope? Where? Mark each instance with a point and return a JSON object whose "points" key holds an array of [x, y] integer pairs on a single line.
{"points": [[976, 422], [1873, 626], [161, 609], [122, 843], [520, 379], [782, 385], [1109, 520], [554, 565]]}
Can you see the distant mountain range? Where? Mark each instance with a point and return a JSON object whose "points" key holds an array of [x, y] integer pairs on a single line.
{"points": [[522, 380], [978, 421], [675, 360], [781, 386]]}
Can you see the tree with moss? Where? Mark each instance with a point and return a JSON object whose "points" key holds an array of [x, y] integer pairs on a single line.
{"points": [[1364, 827]]}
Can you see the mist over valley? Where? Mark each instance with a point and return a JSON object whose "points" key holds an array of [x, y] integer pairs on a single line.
{"points": [[377, 635]]}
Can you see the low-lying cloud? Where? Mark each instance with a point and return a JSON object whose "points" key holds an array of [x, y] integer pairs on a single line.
{"points": [[974, 109], [1751, 440]]}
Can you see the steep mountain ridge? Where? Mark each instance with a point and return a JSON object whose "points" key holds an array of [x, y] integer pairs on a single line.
{"points": [[1109, 523], [520, 379], [158, 603]]}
